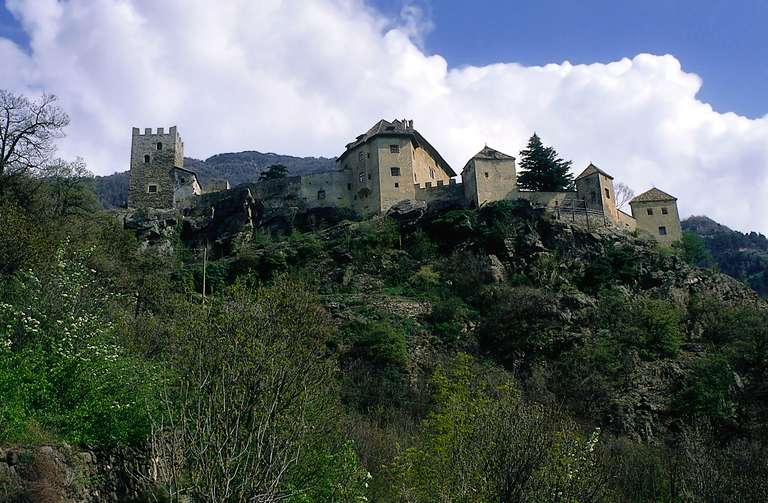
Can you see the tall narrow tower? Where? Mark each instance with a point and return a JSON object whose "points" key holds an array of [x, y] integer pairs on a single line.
{"points": [[154, 159]]}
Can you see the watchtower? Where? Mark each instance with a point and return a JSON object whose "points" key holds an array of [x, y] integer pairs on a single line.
{"points": [[155, 160], [595, 187]]}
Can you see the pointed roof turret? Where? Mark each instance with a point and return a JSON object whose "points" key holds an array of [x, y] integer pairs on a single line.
{"points": [[491, 153], [591, 170], [653, 195]]}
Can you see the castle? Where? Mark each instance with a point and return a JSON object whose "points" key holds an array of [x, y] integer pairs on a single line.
{"points": [[393, 162]]}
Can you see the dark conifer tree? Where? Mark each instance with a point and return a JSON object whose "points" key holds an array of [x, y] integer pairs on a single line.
{"points": [[543, 169]]}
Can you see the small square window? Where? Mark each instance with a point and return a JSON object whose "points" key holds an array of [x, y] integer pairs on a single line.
{"points": [[146, 159], [159, 146], [650, 211], [486, 174], [320, 194], [662, 231], [607, 193], [394, 171], [664, 211], [152, 188], [349, 186], [394, 149], [397, 185]]}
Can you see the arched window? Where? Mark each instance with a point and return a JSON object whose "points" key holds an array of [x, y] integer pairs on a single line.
{"points": [[159, 146], [146, 158], [320, 194]]}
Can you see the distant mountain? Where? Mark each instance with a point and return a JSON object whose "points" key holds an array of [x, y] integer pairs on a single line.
{"points": [[240, 167], [743, 256]]}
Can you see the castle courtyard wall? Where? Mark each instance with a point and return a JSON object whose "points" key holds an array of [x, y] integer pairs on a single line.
{"points": [[327, 189]]}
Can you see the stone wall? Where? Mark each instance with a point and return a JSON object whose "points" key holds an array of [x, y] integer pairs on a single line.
{"points": [[441, 195], [63, 474], [328, 189], [546, 199]]}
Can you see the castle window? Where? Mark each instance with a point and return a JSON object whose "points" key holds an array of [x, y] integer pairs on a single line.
{"points": [[362, 177], [146, 159], [320, 194], [152, 188], [486, 174], [662, 231], [360, 155], [159, 146], [397, 185], [650, 211], [369, 176], [607, 193], [394, 171], [664, 211], [349, 186], [394, 149], [431, 173]]}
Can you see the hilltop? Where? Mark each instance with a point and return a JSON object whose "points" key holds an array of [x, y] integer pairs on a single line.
{"points": [[741, 255]]}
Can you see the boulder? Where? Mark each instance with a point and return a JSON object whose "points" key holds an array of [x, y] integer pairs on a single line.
{"points": [[408, 212]]}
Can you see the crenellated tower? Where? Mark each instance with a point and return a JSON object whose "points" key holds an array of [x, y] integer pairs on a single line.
{"points": [[156, 158]]}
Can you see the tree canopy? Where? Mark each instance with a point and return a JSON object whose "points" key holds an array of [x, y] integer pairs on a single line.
{"points": [[543, 168], [274, 172]]}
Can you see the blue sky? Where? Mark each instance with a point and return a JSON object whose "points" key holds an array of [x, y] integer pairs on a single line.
{"points": [[724, 42]]}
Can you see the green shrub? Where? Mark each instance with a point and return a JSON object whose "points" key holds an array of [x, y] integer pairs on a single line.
{"points": [[519, 323], [380, 343], [708, 391], [62, 366], [652, 326], [449, 317]]}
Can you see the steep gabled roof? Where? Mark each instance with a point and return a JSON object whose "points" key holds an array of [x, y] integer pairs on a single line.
{"points": [[591, 170], [653, 195], [186, 170], [398, 128], [492, 154]]}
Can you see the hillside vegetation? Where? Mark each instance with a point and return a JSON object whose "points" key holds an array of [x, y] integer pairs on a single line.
{"points": [[466, 355]]}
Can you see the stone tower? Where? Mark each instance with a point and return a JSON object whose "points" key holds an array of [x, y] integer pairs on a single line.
{"points": [[489, 176], [595, 187], [156, 159], [656, 213]]}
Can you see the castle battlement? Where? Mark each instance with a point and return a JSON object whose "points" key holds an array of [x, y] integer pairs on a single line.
{"points": [[436, 185], [172, 131]]}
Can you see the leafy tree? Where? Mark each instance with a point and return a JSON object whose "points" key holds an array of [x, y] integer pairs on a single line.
{"points": [[483, 443], [543, 169], [274, 172], [694, 250], [252, 381], [69, 188]]}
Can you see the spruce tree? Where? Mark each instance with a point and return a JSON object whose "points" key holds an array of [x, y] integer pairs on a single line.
{"points": [[543, 169]]}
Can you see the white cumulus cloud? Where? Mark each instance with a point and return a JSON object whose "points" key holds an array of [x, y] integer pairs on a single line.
{"points": [[304, 77]]}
